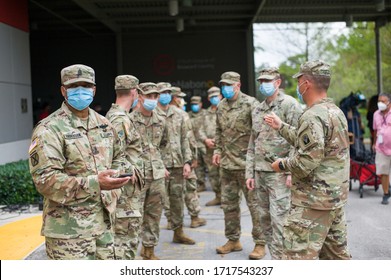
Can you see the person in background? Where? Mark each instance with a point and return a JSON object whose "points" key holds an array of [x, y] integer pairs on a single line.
{"points": [[207, 135], [382, 140]]}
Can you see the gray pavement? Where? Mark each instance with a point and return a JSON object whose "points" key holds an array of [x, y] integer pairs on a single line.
{"points": [[369, 231]]}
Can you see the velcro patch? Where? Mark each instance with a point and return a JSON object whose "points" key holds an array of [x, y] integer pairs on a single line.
{"points": [[73, 135]]}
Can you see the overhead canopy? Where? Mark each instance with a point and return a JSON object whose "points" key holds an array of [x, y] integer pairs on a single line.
{"points": [[99, 17]]}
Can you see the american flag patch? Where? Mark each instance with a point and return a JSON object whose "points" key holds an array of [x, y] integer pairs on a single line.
{"points": [[33, 145]]}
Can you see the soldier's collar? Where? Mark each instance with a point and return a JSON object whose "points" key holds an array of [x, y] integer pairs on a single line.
{"points": [[77, 122], [236, 103]]}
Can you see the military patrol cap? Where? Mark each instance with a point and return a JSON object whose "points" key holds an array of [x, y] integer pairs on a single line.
{"points": [[77, 73], [269, 73], [177, 91], [163, 86], [148, 88], [195, 99], [126, 82], [314, 68], [230, 78], [213, 91]]}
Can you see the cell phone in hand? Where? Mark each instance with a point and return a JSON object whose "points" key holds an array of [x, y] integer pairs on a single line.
{"points": [[125, 175]]}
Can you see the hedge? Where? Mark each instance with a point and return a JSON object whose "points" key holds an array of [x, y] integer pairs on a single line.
{"points": [[16, 184]]}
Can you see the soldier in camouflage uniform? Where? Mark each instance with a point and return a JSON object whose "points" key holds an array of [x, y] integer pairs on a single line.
{"points": [[316, 225], [153, 131], [207, 136], [73, 155], [177, 157], [197, 117], [129, 207], [191, 196], [233, 129], [264, 147]]}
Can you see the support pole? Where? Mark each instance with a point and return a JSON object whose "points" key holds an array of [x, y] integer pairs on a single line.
{"points": [[378, 59]]}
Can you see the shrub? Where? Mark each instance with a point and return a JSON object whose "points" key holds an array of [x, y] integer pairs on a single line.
{"points": [[16, 184]]}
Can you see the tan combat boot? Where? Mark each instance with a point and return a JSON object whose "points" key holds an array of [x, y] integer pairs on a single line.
{"points": [[169, 226], [230, 246], [197, 222], [180, 237], [149, 253], [258, 252], [215, 201]]}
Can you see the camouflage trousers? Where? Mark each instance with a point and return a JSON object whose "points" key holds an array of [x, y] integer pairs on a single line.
{"points": [[92, 248], [200, 169], [275, 199], [315, 234], [153, 196], [191, 196], [233, 183], [174, 202], [127, 225], [192, 201], [213, 172]]}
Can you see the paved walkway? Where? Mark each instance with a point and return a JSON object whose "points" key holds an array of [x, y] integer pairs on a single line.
{"points": [[369, 231]]}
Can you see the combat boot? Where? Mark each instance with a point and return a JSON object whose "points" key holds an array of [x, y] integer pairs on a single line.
{"points": [[169, 226], [197, 222], [230, 246], [149, 253], [180, 237], [215, 201], [258, 252]]}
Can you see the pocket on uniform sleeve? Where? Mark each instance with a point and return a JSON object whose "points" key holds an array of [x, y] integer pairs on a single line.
{"points": [[296, 235]]}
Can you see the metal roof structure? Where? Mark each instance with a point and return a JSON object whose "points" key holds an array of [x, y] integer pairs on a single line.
{"points": [[100, 17]]}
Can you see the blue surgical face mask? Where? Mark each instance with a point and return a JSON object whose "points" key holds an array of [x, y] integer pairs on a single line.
{"points": [[267, 89], [195, 108], [228, 91], [80, 97], [214, 100], [300, 95], [150, 104], [184, 107], [134, 104], [165, 98]]}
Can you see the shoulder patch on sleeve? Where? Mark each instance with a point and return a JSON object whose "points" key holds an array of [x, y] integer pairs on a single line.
{"points": [[34, 159], [33, 144], [306, 139]]}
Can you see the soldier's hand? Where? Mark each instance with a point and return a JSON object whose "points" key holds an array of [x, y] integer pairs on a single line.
{"points": [[166, 174], [186, 170], [289, 181], [250, 184], [106, 182], [273, 121], [210, 143], [216, 159], [275, 166]]}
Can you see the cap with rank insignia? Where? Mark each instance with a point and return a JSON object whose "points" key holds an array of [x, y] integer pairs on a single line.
{"points": [[77, 73]]}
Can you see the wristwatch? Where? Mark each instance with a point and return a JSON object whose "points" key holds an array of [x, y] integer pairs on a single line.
{"points": [[281, 165]]}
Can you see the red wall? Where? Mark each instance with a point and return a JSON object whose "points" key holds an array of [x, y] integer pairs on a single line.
{"points": [[15, 13]]}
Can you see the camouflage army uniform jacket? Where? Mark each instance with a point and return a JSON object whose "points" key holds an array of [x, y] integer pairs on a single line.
{"points": [[197, 122], [320, 164], [153, 132], [66, 155], [208, 130], [266, 144], [128, 134], [130, 139], [190, 136], [177, 151], [233, 129]]}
